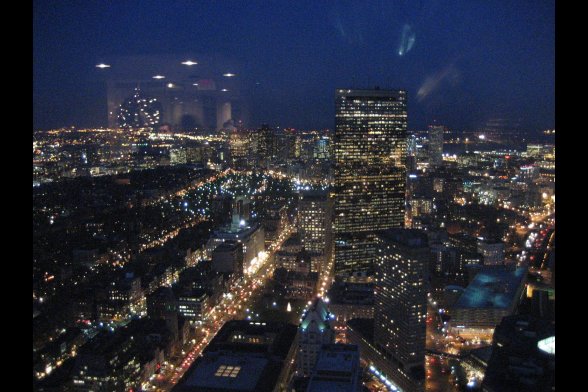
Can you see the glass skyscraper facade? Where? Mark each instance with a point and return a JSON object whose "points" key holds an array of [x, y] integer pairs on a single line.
{"points": [[370, 173]]}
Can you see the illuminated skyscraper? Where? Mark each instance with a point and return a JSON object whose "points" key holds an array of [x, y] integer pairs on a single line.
{"points": [[411, 153], [239, 146], [266, 144], [435, 145], [314, 223], [370, 173], [400, 309]]}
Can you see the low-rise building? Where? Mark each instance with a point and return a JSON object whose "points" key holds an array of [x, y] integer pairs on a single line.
{"points": [[351, 300], [124, 359], [337, 369], [228, 257], [192, 304], [492, 251], [494, 293]]}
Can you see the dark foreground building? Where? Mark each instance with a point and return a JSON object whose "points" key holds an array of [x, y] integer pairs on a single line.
{"points": [[244, 356], [523, 356]]}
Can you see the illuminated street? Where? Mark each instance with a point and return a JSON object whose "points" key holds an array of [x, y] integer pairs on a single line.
{"points": [[232, 306]]}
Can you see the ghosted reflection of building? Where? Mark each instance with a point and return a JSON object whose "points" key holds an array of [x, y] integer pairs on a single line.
{"points": [[206, 95]]}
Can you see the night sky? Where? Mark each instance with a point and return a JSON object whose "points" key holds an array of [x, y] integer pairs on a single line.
{"points": [[463, 63]]}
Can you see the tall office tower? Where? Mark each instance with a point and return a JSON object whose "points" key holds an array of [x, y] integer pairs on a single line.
{"points": [[322, 148], [314, 331], [411, 153], [314, 223], [436, 145], [370, 173], [400, 309], [239, 143], [265, 144], [285, 145]]}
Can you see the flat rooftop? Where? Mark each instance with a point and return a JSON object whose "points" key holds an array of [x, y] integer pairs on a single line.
{"points": [[331, 386], [226, 372], [314, 195], [293, 240], [492, 288], [339, 359], [412, 238], [228, 232], [351, 294], [273, 337], [228, 245], [377, 92], [243, 356], [336, 369]]}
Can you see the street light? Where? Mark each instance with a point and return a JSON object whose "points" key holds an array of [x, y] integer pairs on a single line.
{"points": [[158, 77], [102, 66], [229, 75], [189, 62]]}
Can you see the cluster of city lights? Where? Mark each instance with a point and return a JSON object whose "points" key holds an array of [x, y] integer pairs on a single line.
{"points": [[139, 111]]}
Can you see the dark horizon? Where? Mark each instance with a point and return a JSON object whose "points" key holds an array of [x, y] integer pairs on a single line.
{"points": [[463, 64]]}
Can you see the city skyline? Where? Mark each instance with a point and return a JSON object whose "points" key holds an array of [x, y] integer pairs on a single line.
{"points": [[465, 65], [308, 196]]}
